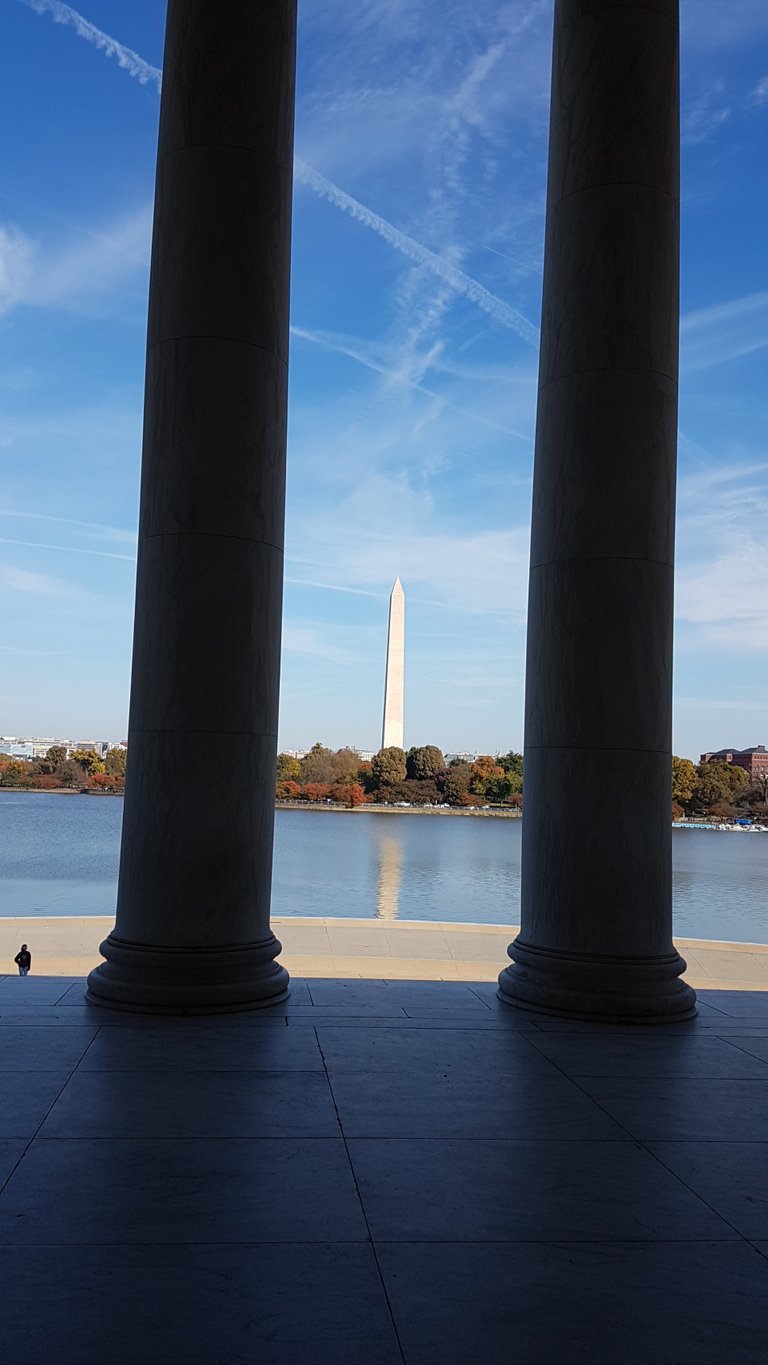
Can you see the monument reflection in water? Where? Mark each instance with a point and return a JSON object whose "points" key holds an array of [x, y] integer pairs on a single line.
{"points": [[390, 872]]}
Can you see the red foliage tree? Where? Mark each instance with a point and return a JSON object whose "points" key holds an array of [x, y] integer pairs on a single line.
{"points": [[347, 794]]}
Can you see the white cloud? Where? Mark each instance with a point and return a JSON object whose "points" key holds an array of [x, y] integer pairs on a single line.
{"points": [[723, 557], [704, 115], [17, 253], [759, 95], [76, 275], [17, 583], [724, 331]]}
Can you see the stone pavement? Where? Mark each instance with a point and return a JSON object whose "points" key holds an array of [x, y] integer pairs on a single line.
{"points": [[380, 1171], [69, 946]]}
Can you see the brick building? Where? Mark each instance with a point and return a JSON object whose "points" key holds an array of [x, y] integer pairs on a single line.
{"points": [[754, 761]]}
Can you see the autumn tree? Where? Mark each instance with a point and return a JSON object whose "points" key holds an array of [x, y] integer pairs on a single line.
{"points": [[314, 766], [388, 766], [345, 765], [455, 781], [88, 761], [16, 774], [422, 792], [485, 771], [287, 791], [70, 774], [347, 794], [423, 764], [683, 780], [328, 765], [288, 768]]}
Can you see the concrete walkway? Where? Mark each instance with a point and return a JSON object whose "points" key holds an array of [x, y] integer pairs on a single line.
{"points": [[370, 949]]}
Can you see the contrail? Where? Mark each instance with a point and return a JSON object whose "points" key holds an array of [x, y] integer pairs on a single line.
{"points": [[113, 531], [143, 72], [330, 343], [68, 549], [129, 60], [461, 282]]}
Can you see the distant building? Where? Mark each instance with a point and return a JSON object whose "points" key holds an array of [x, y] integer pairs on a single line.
{"points": [[461, 758], [754, 761], [96, 746]]}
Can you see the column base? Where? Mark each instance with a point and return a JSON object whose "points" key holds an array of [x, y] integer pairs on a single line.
{"points": [[623, 990], [217, 980]]}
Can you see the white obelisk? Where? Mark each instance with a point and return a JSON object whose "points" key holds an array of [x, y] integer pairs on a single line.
{"points": [[392, 729]]}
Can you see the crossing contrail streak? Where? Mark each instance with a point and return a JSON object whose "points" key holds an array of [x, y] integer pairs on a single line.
{"points": [[143, 72], [464, 284], [129, 60]]}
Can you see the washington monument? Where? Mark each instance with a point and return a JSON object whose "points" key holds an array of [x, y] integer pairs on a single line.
{"points": [[392, 729]]}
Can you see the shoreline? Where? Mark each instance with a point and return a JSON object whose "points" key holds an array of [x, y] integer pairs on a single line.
{"points": [[399, 810], [352, 948], [487, 812]]}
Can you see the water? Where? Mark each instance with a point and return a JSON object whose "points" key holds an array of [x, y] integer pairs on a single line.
{"points": [[59, 854]]}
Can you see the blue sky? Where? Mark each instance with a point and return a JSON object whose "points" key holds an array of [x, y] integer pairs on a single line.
{"points": [[421, 147]]}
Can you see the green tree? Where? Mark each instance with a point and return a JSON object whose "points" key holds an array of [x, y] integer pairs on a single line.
{"points": [[423, 764], [717, 784], [683, 780], [55, 756], [388, 766], [288, 768], [114, 762], [512, 764]]}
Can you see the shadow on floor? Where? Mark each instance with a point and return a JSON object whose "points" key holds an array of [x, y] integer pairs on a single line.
{"points": [[380, 1172]]}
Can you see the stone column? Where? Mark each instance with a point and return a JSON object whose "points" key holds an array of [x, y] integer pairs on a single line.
{"points": [[596, 920], [192, 929]]}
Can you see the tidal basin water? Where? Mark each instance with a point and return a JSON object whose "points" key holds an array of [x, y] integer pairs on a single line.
{"points": [[59, 855]]}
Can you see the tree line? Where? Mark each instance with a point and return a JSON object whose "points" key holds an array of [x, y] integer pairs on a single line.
{"points": [[720, 791], [420, 777], [84, 770]]}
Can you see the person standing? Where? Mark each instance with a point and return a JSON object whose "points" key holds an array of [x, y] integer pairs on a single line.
{"points": [[23, 960]]}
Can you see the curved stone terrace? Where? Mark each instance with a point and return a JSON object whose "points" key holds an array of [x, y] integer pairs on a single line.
{"points": [[371, 949]]}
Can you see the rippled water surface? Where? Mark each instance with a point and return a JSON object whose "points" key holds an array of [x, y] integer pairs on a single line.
{"points": [[59, 854]]}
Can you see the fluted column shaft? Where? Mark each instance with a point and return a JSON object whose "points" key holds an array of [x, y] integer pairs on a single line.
{"points": [[192, 926], [596, 917]]}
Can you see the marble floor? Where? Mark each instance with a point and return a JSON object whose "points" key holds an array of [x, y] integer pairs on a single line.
{"points": [[380, 1171]]}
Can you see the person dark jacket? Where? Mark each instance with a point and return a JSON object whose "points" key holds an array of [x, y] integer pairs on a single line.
{"points": [[23, 959]]}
